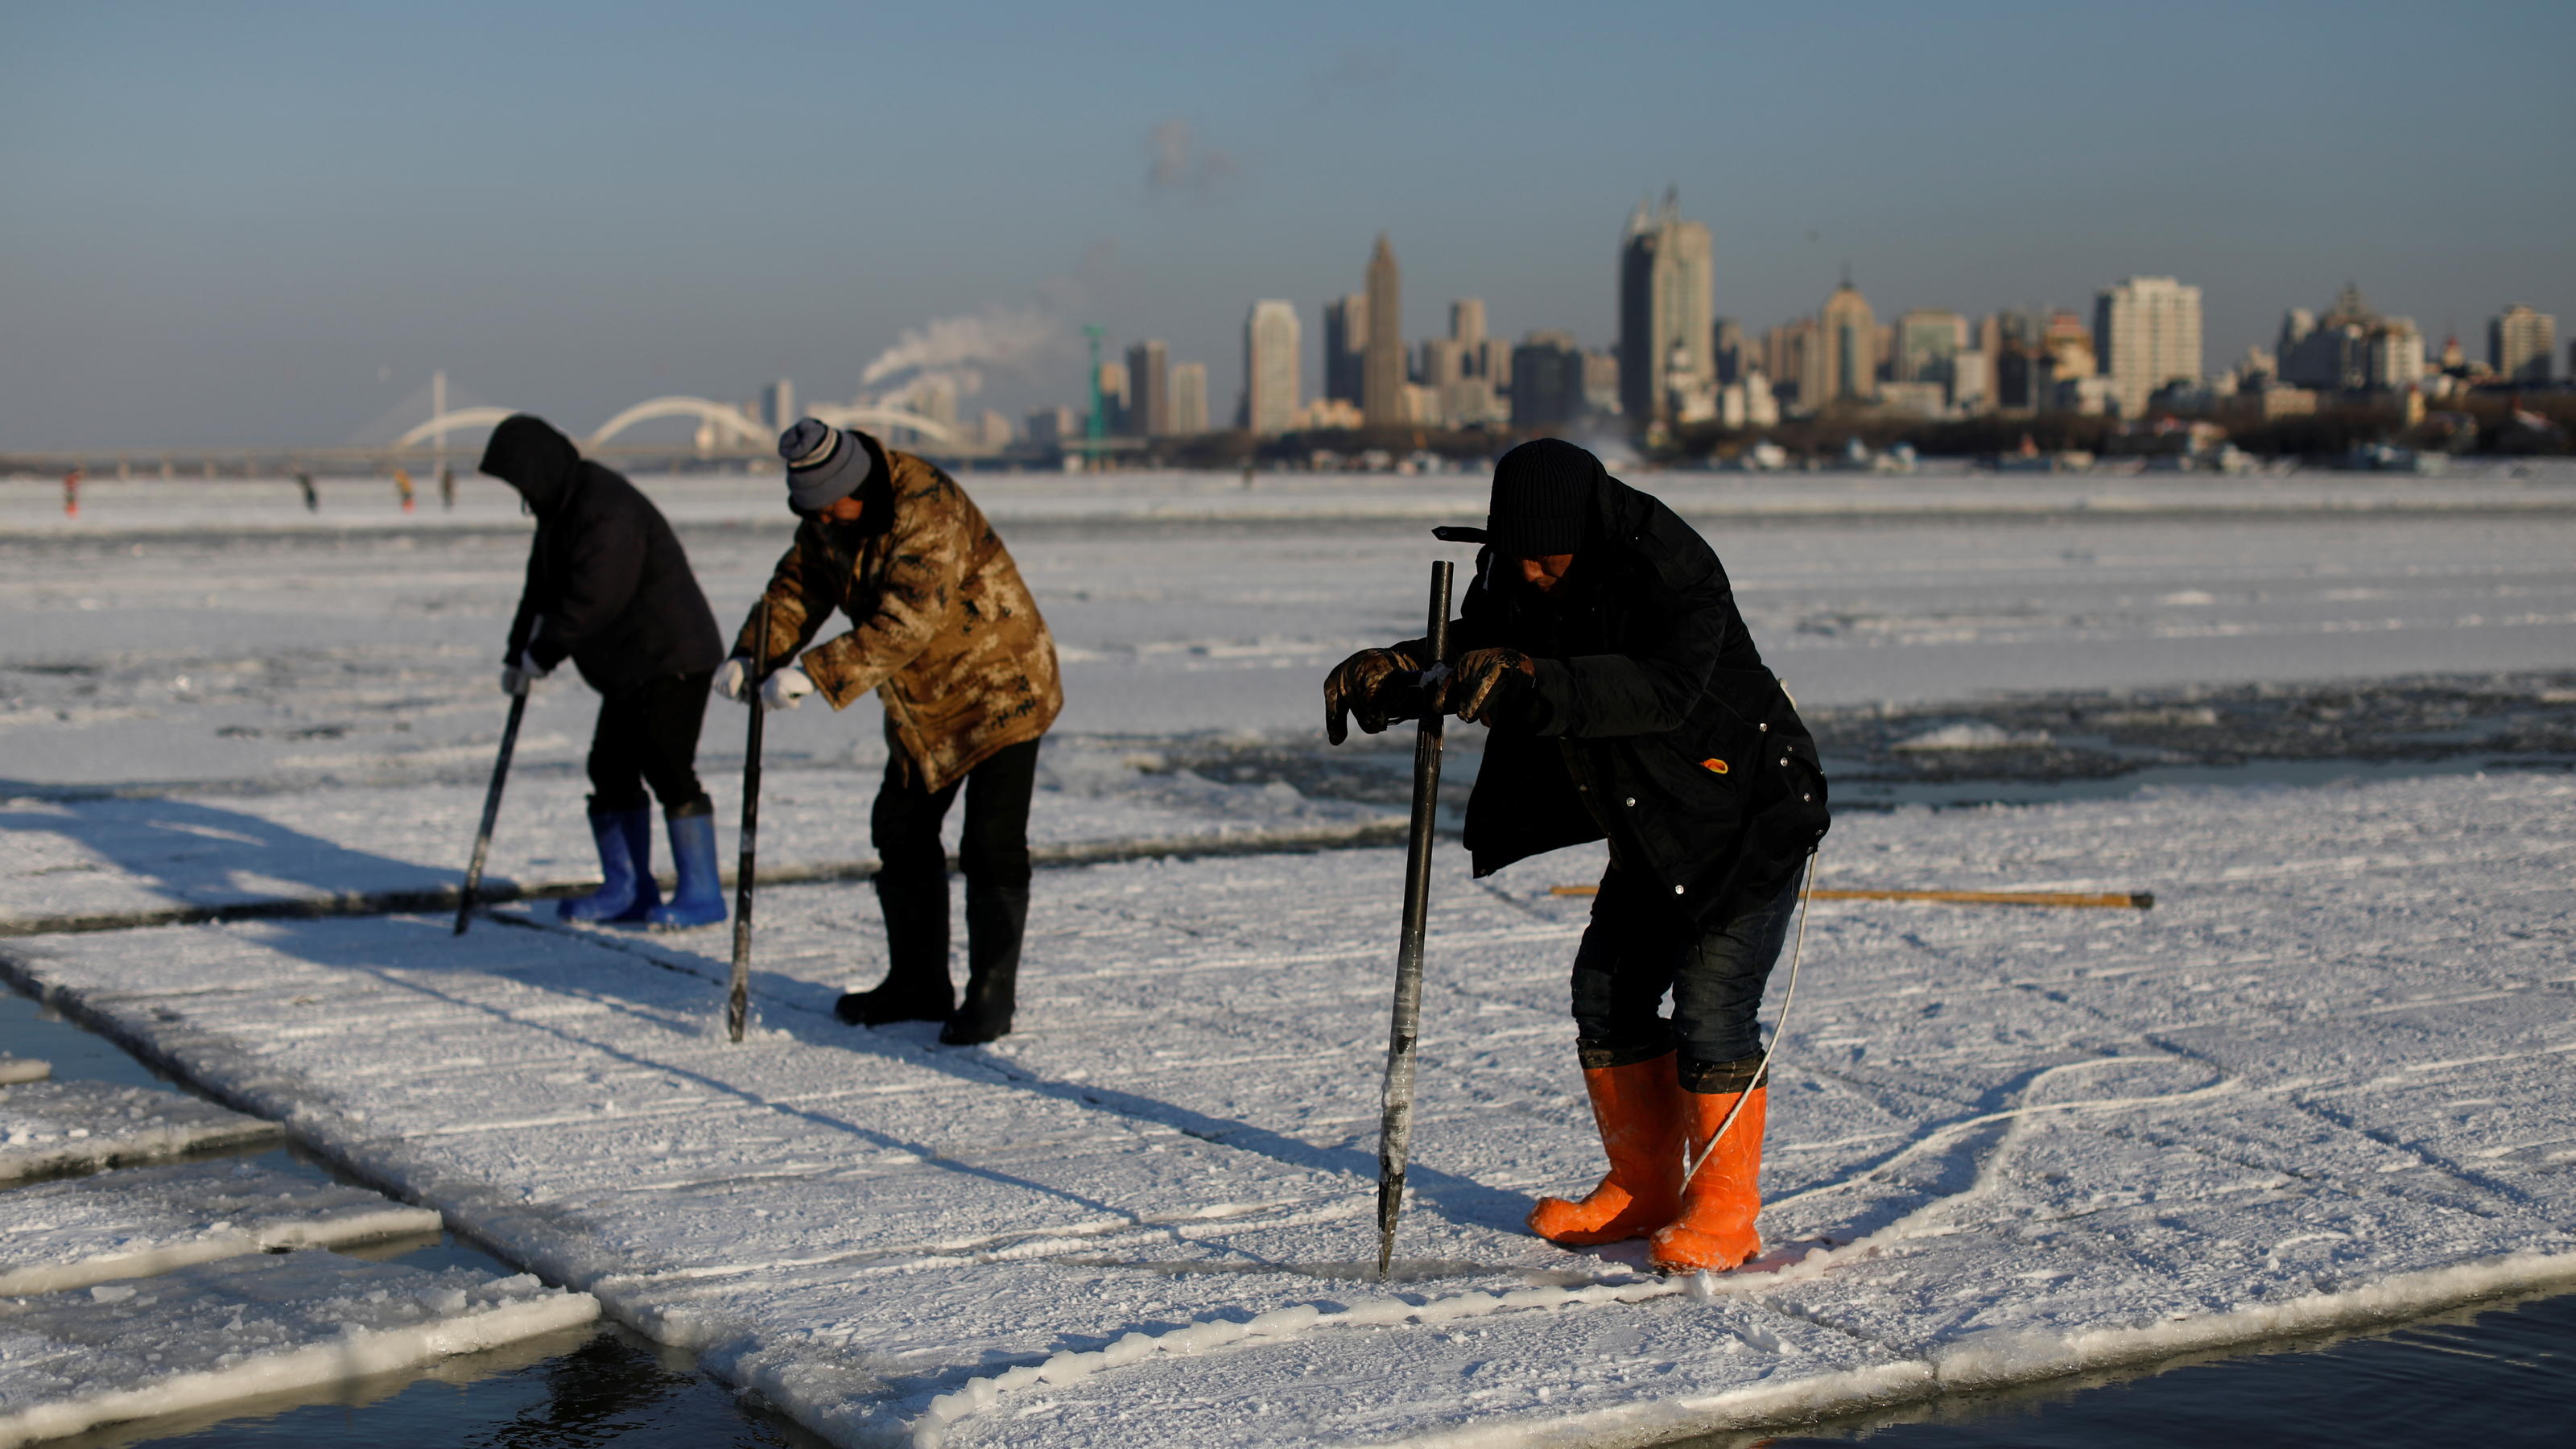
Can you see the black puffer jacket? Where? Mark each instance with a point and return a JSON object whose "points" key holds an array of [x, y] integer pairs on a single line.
{"points": [[608, 584], [1652, 719]]}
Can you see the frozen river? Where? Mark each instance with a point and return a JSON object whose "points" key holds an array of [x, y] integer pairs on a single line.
{"points": [[221, 634], [2319, 1085]]}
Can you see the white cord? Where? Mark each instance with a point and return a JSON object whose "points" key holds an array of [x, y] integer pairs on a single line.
{"points": [[1779, 1028]]}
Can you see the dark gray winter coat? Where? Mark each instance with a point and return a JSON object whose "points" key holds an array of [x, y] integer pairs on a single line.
{"points": [[608, 584], [1652, 719]]}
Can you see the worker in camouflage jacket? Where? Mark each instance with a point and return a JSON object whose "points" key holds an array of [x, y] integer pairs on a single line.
{"points": [[1600, 643], [945, 633]]}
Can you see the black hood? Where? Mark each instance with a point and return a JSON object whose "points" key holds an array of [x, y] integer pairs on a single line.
{"points": [[529, 455]]}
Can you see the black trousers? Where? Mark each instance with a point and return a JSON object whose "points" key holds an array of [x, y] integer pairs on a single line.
{"points": [[648, 735], [995, 850], [1640, 945]]}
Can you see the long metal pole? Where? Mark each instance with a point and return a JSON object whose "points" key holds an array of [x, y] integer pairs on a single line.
{"points": [[738, 998], [491, 811], [1395, 1125]]}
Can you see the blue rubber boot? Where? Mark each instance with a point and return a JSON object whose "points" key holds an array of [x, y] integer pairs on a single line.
{"points": [[626, 889], [698, 898]]}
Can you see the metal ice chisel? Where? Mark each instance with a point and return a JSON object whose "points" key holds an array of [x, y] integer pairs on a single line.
{"points": [[1395, 1126]]}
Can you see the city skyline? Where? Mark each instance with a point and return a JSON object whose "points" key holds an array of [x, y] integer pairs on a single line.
{"points": [[267, 233]]}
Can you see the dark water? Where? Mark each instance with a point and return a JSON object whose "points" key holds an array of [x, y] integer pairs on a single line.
{"points": [[2493, 1375], [2502, 1373]]}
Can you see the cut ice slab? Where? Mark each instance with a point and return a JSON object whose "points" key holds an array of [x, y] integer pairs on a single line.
{"points": [[14, 1070], [271, 1323], [53, 1127], [61, 1235], [1619, 1361]]}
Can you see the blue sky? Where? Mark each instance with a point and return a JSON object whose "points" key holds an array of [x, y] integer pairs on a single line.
{"points": [[266, 223]]}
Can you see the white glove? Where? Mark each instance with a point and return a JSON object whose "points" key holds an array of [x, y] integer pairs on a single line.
{"points": [[733, 681], [785, 689], [517, 675]]}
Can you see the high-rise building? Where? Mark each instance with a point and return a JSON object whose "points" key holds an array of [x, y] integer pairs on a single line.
{"points": [[1666, 295], [1149, 389], [1845, 367], [1271, 359], [1189, 399], [2146, 333], [1382, 368], [1057, 424], [1728, 351], [1346, 336], [778, 404], [1922, 342], [2520, 341], [2396, 355], [1794, 361], [1467, 322], [1113, 397], [2069, 346], [1547, 381], [2352, 348], [1601, 382]]}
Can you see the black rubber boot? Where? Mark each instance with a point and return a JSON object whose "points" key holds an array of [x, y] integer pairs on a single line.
{"points": [[996, 916], [916, 987]]}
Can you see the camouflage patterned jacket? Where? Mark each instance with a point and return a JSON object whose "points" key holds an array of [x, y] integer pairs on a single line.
{"points": [[945, 632]]}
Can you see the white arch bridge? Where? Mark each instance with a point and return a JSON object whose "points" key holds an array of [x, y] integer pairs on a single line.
{"points": [[719, 424]]}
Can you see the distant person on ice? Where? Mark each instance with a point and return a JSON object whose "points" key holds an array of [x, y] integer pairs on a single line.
{"points": [[610, 589], [1600, 643], [948, 637]]}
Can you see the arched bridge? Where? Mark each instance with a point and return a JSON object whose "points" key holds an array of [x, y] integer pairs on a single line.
{"points": [[721, 420]]}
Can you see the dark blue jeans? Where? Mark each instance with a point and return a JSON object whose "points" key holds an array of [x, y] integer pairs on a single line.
{"points": [[1640, 945]]}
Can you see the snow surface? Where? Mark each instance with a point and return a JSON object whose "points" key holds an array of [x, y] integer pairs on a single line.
{"points": [[224, 654], [218, 1332], [2323, 1081], [14, 1070], [80, 863], [148, 1220], [53, 1127], [111, 507]]}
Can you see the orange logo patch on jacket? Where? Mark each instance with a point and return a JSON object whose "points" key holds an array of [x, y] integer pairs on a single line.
{"points": [[1714, 767]]}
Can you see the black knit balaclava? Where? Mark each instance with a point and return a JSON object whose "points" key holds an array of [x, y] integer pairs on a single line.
{"points": [[1542, 501]]}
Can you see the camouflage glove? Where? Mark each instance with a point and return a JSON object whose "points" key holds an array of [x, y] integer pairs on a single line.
{"points": [[1354, 687], [1485, 680]]}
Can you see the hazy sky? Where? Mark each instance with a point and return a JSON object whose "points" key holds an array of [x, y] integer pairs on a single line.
{"points": [[268, 223]]}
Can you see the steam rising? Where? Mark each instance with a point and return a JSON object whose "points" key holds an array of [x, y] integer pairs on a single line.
{"points": [[956, 350]]}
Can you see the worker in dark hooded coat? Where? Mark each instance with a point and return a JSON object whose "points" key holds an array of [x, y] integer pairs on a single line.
{"points": [[1600, 643], [609, 588]]}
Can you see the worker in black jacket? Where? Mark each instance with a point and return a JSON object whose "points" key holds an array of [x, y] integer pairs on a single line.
{"points": [[610, 589], [1600, 643]]}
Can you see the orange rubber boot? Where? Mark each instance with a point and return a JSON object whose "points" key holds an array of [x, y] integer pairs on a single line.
{"points": [[1639, 1110], [1715, 1228]]}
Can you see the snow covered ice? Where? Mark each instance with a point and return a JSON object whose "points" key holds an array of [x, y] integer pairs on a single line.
{"points": [[148, 1220], [269, 1323], [51, 1127], [2322, 1082]]}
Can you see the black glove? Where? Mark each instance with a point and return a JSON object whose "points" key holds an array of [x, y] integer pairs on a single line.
{"points": [[1355, 687], [1486, 680]]}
